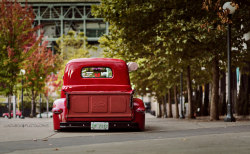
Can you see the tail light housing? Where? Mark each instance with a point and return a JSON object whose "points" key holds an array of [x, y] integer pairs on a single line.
{"points": [[140, 109], [57, 110]]}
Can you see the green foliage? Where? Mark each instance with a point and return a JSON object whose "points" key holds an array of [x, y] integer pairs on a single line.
{"points": [[164, 37], [71, 46], [150, 34]]}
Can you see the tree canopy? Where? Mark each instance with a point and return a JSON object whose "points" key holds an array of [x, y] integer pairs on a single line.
{"points": [[71, 46], [17, 41], [168, 37]]}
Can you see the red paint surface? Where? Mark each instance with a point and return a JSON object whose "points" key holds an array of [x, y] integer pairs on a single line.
{"points": [[99, 105], [98, 99]]}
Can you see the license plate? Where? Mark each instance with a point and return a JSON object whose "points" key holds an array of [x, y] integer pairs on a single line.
{"points": [[99, 125]]}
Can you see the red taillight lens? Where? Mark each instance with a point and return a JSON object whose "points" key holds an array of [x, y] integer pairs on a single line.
{"points": [[57, 111], [140, 109]]}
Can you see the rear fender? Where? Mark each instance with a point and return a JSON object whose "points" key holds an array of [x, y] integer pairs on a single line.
{"points": [[138, 105], [58, 112], [139, 113]]}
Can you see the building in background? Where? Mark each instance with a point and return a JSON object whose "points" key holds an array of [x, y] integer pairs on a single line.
{"points": [[58, 17]]}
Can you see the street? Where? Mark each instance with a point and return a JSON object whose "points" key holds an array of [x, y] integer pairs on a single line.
{"points": [[161, 136]]}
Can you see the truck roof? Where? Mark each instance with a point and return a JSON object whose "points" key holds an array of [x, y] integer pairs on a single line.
{"points": [[119, 68], [80, 60]]}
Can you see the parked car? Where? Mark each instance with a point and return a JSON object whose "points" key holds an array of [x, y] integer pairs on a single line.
{"points": [[97, 95], [18, 114], [44, 115]]}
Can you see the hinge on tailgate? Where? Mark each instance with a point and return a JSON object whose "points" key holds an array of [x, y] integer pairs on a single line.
{"points": [[67, 100]]}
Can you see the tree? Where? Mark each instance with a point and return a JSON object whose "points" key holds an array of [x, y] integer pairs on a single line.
{"points": [[218, 19], [52, 85], [170, 114], [16, 42], [162, 43], [240, 22], [38, 66], [168, 37], [73, 45], [176, 103]]}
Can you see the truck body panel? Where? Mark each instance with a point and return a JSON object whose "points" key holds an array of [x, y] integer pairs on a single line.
{"points": [[97, 91]]}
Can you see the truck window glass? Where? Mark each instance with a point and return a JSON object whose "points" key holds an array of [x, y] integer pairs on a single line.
{"points": [[97, 72]]}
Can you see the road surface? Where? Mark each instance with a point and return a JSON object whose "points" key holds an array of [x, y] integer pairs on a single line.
{"points": [[161, 136]]}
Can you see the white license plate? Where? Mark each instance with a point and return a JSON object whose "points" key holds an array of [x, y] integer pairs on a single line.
{"points": [[99, 125]]}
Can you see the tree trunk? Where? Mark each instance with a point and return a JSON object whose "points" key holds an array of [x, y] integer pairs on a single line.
{"points": [[9, 105], [234, 89], [189, 89], [164, 114], [243, 98], [159, 114], [176, 103], [32, 105], [35, 106], [170, 114], [222, 99], [199, 100], [47, 106], [205, 108], [214, 114]]}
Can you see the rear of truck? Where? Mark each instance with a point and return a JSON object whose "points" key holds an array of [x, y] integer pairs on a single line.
{"points": [[97, 95]]}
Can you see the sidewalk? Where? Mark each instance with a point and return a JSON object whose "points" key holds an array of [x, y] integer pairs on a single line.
{"points": [[25, 129], [172, 124]]}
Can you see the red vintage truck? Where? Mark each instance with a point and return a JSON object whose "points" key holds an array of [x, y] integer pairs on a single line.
{"points": [[97, 95]]}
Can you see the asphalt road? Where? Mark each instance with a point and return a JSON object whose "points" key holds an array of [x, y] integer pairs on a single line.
{"points": [[161, 136]]}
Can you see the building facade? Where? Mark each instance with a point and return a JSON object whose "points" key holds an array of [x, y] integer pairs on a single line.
{"points": [[58, 17]]}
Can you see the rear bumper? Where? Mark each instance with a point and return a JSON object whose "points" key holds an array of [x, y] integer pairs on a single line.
{"points": [[87, 125]]}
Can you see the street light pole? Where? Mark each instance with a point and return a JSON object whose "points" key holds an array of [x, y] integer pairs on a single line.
{"points": [[229, 117], [22, 117]]}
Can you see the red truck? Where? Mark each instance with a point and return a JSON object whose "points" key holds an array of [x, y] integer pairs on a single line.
{"points": [[97, 95]]}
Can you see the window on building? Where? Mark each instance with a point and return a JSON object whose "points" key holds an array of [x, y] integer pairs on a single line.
{"points": [[95, 28]]}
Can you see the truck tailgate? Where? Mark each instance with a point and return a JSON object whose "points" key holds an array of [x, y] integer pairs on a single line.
{"points": [[99, 104]]}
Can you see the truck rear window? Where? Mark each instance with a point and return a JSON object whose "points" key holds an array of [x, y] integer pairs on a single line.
{"points": [[97, 72]]}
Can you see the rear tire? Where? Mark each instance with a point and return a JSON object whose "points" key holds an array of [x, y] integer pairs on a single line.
{"points": [[5, 116], [141, 122]]}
